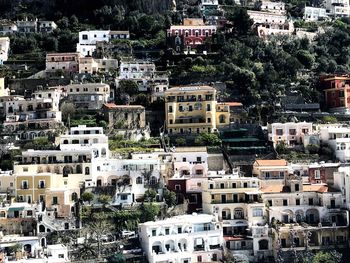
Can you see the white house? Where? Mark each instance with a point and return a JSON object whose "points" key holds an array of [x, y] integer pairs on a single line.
{"points": [[290, 133], [337, 8], [4, 49], [186, 238], [273, 7], [88, 39], [314, 13], [338, 138]]}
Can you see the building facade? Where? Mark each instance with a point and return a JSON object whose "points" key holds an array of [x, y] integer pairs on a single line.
{"points": [[194, 109]]}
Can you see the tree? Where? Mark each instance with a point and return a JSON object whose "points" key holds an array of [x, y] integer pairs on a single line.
{"points": [[180, 141], [208, 139], [149, 211], [329, 119], [68, 110], [98, 228], [281, 148], [327, 257], [150, 195], [129, 86], [104, 199], [87, 197], [170, 197], [242, 23]]}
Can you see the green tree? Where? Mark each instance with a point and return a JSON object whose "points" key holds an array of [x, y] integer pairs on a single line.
{"points": [[327, 257], [208, 139], [329, 119], [281, 148], [149, 211], [150, 195], [104, 199], [180, 141], [129, 86], [87, 197], [170, 197]]}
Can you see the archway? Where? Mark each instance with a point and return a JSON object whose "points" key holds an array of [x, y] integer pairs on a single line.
{"points": [[263, 244]]}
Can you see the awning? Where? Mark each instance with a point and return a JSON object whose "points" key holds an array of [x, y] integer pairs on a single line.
{"points": [[11, 209]]}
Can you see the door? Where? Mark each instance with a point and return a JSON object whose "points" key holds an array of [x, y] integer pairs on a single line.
{"points": [[223, 198]]}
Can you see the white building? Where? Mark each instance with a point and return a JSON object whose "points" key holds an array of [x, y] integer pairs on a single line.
{"points": [[337, 8], [290, 133], [338, 138], [273, 7], [88, 95], [190, 162], [7, 26], [88, 39], [145, 75], [46, 26], [314, 13], [235, 200], [89, 65], [267, 17], [40, 114], [186, 238], [4, 49]]}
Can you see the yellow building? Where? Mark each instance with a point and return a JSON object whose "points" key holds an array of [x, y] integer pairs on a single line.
{"points": [[194, 109]]}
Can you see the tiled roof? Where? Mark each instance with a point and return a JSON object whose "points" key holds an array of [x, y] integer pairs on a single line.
{"points": [[278, 188], [114, 106], [271, 162], [234, 104]]}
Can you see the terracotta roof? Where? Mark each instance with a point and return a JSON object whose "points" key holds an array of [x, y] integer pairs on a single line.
{"points": [[278, 188], [234, 238], [271, 162], [114, 106], [234, 104], [316, 188]]}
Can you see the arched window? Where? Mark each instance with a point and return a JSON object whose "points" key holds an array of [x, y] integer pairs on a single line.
{"points": [[79, 170], [103, 152], [41, 229], [74, 196], [342, 146], [239, 213], [139, 180], [87, 170]]}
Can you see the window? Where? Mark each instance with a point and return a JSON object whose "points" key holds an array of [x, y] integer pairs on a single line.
{"points": [[154, 233], [282, 174], [179, 230], [208, 107], [193, 199], [285, 202], [269, 202], [292, 131], [279, 131], [208, 120], [297, 201], [234, 185], [199, 159], [139, 180], [296, 187], [184, 159], [317, 174], [25, 169], [25, 184], [60, 255], [311, 201], [54, 200], [167, 231], [178, 187], [41, 184], [85, 37], [222, 185], [257, 212], [123, 197]]}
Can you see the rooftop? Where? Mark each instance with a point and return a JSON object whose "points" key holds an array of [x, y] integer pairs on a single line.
{"points": [[114, 106], [182, 219], [271, 162]]}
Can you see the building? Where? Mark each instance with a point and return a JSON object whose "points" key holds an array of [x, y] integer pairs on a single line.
{"points": [[336, 89], [208, 6], [4, 49], [46, 26], [148, 79], [34, 117], [338, 138], [89, 65], [270, 171], [7, 26], [65, 62], [27, 26], [306, 216], [191, 34], [314, 13], [129, 120], [290, 133], [88, 39], [337, 8], [90, 96], [269, 23], [273, 7], [194, 109], [322, 173], [236, 201], [186, 238]]}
